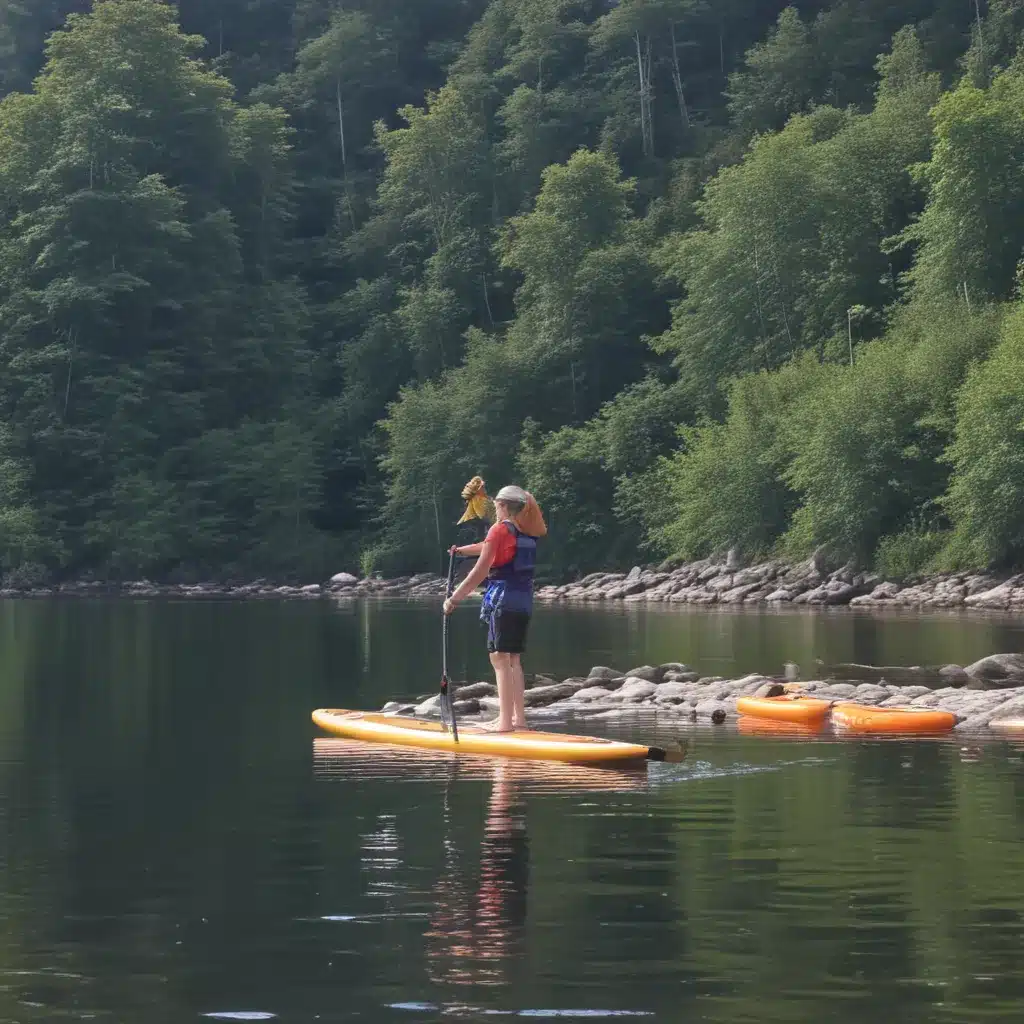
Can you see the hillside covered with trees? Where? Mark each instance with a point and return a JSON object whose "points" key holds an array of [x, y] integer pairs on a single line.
{"points": [[278, 276]]}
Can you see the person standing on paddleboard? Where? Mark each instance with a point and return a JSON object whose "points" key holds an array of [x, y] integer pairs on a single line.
{"points": [[507, 557]]}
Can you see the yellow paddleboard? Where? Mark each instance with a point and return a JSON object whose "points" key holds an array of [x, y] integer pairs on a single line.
{"points": [[542, 746]]}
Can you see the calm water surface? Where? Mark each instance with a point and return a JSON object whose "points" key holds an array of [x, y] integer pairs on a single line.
{"points": [[178, 845]]}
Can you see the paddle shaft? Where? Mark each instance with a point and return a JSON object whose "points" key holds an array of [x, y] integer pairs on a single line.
{"points": [[447, 707]]}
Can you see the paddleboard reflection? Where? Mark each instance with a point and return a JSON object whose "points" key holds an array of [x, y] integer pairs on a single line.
{"points": [[478, 905]]}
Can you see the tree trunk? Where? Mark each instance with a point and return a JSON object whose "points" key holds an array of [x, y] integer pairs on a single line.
{"points": [[677, 81], [643, 63], [344, 154]]}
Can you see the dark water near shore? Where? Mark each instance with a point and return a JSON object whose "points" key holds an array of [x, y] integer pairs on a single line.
{"points": [[175, 842]]}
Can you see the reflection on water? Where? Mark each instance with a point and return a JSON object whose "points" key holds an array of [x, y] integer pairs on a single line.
{"points": [[176, 843]]}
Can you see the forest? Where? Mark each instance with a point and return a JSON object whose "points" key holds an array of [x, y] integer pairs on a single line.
{"points": [[277, 277]]}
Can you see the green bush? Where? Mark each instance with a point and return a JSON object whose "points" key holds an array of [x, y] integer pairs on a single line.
{"points": [[986, 494], [908, 554]]}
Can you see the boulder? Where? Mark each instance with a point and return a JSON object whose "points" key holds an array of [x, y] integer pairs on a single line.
{"points": [[608, 684], [343, 579], [635, 689], [746, 685], [533, 679], [472, 691], [672, 693], [311, 588], [396, 707], [603, 672], [770, 690], [779, 596], [996, 672], [466, 707], [429, 708], [650, 673], [674, 666], [634, 573], [1009, 711], [953, 675], [681, 677], [589, 694], [715, 710], [997, 597], [870, 693], [541, 696]]}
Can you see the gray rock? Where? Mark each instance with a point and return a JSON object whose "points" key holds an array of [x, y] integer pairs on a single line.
{"points": [[869, 693], [681, 677], [770, 690], [589, 694], [608, 684], [672, 693], [996, 597], [311, 588], [779, 596], [395, 707], [733, 560], [466, 707], [715, 709], [534, 679], [429, 708], [653, 674], [471, 691], [603, 672], [674, 666], [1011, 710], [635, 690], [541, 696], [998, 671], [634, 573], [837, 691], [953, 675], [747, 685], [343, 579]]}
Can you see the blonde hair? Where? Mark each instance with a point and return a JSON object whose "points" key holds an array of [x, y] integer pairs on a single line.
{"points": [[526, 513]]}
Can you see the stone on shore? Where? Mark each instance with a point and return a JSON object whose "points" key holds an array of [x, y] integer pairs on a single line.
{"points": [[651, 673], [997, 671], [343, 579]]}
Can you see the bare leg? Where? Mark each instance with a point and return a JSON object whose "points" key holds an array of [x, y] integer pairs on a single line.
{"points": [[503, 674], [518, 692]]}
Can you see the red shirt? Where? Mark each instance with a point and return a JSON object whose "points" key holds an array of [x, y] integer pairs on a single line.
{"points": [[503, 540]]}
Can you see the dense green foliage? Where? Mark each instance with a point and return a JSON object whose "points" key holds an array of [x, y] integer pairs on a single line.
{"points": [[277, 277]]}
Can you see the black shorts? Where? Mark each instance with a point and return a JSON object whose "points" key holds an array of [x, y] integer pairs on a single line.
{"points": [[506, 632]]}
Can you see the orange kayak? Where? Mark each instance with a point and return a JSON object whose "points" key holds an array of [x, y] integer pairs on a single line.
{"points": [[907, 721], [791, 708]]}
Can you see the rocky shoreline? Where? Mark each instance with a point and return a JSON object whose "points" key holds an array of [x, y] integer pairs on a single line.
{"points": [[722, 582], [702, 583], [341, 586], [981, 695]]}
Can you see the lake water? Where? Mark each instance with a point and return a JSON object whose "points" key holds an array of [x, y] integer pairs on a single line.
{"points": [[178, 844]]}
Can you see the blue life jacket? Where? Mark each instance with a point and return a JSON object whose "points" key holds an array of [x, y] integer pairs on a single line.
{"points": [[510, 586]]}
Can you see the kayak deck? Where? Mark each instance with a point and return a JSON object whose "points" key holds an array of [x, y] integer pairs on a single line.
{"points": [[544, 746]]}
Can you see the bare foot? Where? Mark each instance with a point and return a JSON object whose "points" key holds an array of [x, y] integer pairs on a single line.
{"points": [[495, 726]]}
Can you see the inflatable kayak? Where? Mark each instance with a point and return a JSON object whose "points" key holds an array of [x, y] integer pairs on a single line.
{"points": [[541, 746], [861, 718], [795, 708]]}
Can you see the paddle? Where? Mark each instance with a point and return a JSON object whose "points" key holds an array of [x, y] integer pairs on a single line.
{"points": [[447, 708]]}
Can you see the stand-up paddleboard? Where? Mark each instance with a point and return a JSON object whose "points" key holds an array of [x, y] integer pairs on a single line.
{"points": [[542, 746]]}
